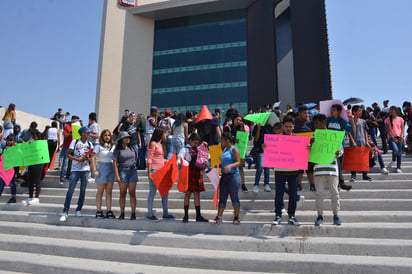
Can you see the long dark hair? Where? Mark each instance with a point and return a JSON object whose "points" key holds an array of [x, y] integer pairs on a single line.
{"points": [[390, 116], [227, 136], [180, 119], [157, 135], [11, 108]]}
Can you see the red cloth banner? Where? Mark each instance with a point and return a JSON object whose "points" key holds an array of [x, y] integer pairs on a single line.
{"points": [[356, 159], [183, 182], [165, 178], [215, 199]]}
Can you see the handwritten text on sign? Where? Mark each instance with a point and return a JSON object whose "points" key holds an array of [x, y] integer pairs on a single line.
{"points": [[326, 144], [286, 151]]}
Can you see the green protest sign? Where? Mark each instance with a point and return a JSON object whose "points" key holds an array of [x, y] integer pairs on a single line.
{"points": [[324, 148], [242, 139], [35, 152], [75, 131], [258, 117], [12, 157]]}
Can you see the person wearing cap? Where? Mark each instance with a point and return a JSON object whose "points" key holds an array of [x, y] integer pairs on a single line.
{"points": [[79, 152], [151, 122], [125, 173], [66, 163], [131, 127]]}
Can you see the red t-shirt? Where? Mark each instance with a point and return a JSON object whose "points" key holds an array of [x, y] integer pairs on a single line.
{"points": [[67, 140]]}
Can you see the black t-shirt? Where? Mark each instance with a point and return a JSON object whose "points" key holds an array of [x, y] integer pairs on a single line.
{"points": [[303, 126], [203, 129], [231, 114], [214, 138]]}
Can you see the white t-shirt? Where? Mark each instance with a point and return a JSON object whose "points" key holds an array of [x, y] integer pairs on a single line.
{"points": [[149, 127], [80, 150], [104, 154], [95, 129], [52, 134]]}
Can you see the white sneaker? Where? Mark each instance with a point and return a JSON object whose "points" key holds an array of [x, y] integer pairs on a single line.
{"points": [[79, 213], [384, 171], [391, 163], [256, 189], [284, 210], [267, 188], [299, 204], [64, 217], [398, 170], [26, 202], [34, 201], [90, 180]]}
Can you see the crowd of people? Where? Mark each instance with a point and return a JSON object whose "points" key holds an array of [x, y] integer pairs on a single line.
{"points": [[138, 143]]}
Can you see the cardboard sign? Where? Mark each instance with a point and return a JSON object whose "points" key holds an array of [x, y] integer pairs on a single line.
{"points": [[242, 139], [13, 156], [183, 182], [258, 117], [215, 152], [213, 176], [75, 131], [356, 159], [27, 154], [286, 151], [324, 148], [309, 134], [165, 178], [6, 175]]}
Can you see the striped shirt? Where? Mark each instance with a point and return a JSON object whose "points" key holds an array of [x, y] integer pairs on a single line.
{"points": [[328, 170]]}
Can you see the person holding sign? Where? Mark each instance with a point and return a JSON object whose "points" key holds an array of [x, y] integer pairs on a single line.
{"points": [[326, 175], [79, 152], [67, 139], [230, 180], [155, 161], [283, 175], [10, 141], [232, 129], [259, 137]]}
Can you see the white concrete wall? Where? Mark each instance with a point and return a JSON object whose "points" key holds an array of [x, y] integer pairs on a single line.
{"points": [[24, 119]]}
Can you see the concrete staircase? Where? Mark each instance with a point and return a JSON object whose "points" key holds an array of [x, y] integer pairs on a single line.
{"points": [[376, 235]]}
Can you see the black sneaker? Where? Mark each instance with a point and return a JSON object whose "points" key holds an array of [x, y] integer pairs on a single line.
{"points": [[319, 221], [244, 188], [121, 217], [133, 216], [336, 220], [100, 215], [110, 215], [152, 218], [293, 221], [277, 220], [312, 187], [185, 219], [12, 200], [201, 219]]}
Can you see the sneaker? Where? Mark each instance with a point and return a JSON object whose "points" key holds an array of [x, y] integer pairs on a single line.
{"points": [[384, 171], [152, 218], [79, 213], [100, 215], [267, 188], [236, 221], [133, 216], [300, 187], [201, 219], [398, 170], [217, 220], [63, 180], [319, 221], [121, 217], [90, 180], [277, 220], [389, 166], [25, 202], [33, 201], [64, 217], [345, 186], [299, 203], [336, 220], [352, 179], [185, 219], [168, 216], [293, 221], [312, 187], [12, 200], [256, 189], [244, 188], [110, 215], [367, 178]]}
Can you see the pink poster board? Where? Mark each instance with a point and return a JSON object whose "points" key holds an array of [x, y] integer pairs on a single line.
{"points": [[325, 107], [286, 151], [6, 175]]}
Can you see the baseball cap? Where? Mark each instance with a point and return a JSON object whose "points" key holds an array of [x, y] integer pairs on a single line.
{"points": [[84, 130]]}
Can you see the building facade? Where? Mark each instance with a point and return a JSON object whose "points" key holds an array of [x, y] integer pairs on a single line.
{"points": [[183, 54]]}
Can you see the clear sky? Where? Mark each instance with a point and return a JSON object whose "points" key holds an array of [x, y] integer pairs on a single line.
{"points": [[49, 52]]}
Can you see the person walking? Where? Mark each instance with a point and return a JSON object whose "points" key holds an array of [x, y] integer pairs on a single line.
{"points": [[395, 127]]}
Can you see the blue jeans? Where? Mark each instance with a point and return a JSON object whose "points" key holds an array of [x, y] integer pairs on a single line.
{"points": [[74, 177], [396, 152], [169, 148], [229, 185], [141, 160], [12, 185], [280, 185], [178, 144], [150, 198], [259, 169], [372, 133], [64, 162]]}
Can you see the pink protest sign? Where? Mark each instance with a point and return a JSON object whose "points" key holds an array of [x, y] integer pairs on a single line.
{"points": [[6, 175], [326, 106], [286, 151]]}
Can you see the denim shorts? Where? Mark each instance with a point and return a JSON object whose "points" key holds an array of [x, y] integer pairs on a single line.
{"points": [[128, 174], [106, 173]]}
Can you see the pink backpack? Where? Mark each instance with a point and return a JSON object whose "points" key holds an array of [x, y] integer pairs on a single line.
{"points": [[200, 159]]}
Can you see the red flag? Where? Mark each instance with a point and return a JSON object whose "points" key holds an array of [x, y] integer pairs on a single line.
{"points": [[165, 178], [215, 199], [6, 175], [356, 159], [183, 183], [52, 161]]}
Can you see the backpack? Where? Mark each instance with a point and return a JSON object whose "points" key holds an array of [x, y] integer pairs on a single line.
{"points": [[166, 124], [200, 158], [89, 145]]}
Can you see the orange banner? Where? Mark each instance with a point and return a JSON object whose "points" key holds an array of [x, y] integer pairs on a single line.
{"points": [[165, 178], [183, 182], [356, 159]]}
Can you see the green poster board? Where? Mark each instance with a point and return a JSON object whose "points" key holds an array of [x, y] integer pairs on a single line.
{"points": [[324, 148], [242, 139], [258, 117], [36, 152], [75, 131], [12, 157]]}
